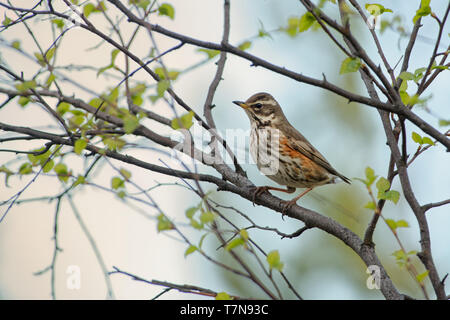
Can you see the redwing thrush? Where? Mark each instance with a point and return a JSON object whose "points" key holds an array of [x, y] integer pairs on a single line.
{"points": [[281, 152]]}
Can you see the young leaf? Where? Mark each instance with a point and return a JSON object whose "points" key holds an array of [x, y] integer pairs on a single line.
{"points": [[383, 185], [162, 86], [125, 173], [130, 123], [62, 108], [185, 121], [79, 146], [306, 21], [207, 216], [427, 140], [234, 243], [23, 101], [163, 223], [166, 10], [223, 296], [117, 183], [370, 175], [370, 205], [350, 65], [62, 172], [211, 53], [392, 224], [273, 258], [25, 168], [423, 11], [417, 138], [391, 195], [189, 250], [245, 45], [376, 9], [191, 211], [402, 224], [422, 276]]}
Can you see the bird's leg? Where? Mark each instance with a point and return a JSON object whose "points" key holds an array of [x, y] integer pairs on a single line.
{"points": [[260, 190], [290, 203]]}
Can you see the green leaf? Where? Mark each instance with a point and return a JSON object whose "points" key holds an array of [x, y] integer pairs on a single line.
{"points": [[370, 175], [185, 121], [26, 85], [423, 11], [79, 146], [59, 23], [7, 173], [211, 53], [162, 86], [16, 44], [370, 205], [402, 224], [191, 211], [25, 168], [50, 53], [376, 9], [173, 75], [207, 216], [223, 296], [417, 138], [234, 243], [6, 20], [62, 172], [196, 224], [245, 45], [273, 258], [51, 78], [392, 224], [163, 223], [306, 21], [125, 173], [88, 9], [444, 123], [166, 10], [383, 185], [293, 26], [130, 123], [117, 182], [391, 195], [114, 143], [405, 75], [350, 65], [427, 140], [404, 96], [48, 165], [244, 234], [189, 250], [422, 276], [23, 101], [400, 257], [80, 180], [62, 108]]}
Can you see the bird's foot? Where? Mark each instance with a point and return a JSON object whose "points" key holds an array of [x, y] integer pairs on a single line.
{"points": [[286, 205], [258, 191]]}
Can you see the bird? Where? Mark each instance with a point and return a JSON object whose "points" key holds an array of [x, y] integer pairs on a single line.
{"points": [[282, 153]]}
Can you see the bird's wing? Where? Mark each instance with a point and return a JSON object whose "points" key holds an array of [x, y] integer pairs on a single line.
{"points": [[302, 145]]}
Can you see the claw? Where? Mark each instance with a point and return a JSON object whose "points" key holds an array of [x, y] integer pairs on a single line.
{"points": [[285, 207], [258, 191]]}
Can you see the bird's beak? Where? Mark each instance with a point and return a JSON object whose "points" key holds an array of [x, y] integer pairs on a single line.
{"points": [[241, 104]]}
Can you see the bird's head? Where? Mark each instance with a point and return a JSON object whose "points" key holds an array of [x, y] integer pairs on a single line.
{"points": [[263, 109]]}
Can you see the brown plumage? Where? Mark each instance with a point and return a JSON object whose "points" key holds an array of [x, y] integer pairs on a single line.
{"points": [[281, 152]]}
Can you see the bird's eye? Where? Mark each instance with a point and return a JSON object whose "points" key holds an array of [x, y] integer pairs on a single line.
{"points": [[257, 106]]}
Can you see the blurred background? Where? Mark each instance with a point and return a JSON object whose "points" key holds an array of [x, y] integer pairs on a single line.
{"points": [[350, 136]]}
